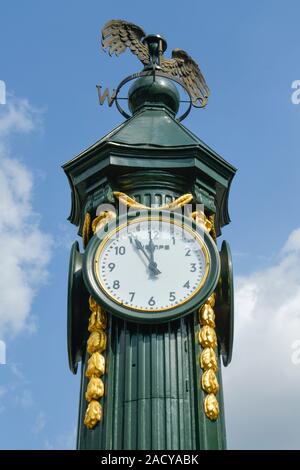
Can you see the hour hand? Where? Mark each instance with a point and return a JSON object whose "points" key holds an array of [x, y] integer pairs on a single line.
{"points": [[153, 268], [152, 265]]}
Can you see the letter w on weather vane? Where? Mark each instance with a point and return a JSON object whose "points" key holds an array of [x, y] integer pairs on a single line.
{"points": [[106, 96]]}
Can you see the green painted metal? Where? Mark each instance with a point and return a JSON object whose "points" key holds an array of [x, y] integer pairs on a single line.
{"points": [[160, 92], [153, 396], [77, 325], [225, 305], [151, 139]]}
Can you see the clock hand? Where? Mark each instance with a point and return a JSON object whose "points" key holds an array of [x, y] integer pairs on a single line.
{"points": [[151, 247], [151, 265], [139, 246]]}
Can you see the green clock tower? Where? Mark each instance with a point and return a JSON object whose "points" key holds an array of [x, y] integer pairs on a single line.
{"points": [[150, 295]]}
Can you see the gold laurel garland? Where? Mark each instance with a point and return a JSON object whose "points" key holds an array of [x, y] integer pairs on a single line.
{"points": [[90, 227], [86, 229], [208, 338], [96, 343], [132, 203]]}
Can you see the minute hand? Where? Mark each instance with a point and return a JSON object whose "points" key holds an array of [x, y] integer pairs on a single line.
{"points": [[151, 247], [152, 266], [139, 246]]}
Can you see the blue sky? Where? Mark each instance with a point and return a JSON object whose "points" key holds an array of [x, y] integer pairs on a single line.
{"points": [[50, 60]]}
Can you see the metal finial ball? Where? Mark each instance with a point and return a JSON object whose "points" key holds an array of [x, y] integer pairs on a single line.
{"points": [[160, 92]]}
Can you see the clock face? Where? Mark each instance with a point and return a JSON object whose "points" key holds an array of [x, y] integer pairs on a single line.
{"points": [[151, 268], [151, 264]]}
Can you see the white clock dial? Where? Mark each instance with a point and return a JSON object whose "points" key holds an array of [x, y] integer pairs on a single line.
{"points": [[151, 264]]}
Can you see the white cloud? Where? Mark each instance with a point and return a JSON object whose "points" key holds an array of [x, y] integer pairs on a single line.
{"points": [[63, 441], [24, 247], [40, 423], [16, 392], [24, 399], [17, 116], [262, 385]]}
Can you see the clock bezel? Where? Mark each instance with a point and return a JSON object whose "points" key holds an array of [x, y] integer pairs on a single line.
{"points": [[96, 289]]}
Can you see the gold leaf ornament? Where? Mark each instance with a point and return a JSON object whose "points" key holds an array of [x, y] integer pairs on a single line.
{"points": [[209, 382], [201, 219], [95, 365], [208, 337], [93, 414], [86, 229], [96, 342], [132, 203], [207, 315], [102, 219], [208, 359], [211, 300], [211, 407], [95, 389], [97, 320], [92, 303]]}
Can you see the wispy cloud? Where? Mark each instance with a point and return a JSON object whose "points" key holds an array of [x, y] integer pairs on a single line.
{"points": [[40, 423], [25, 248], [15, 393], [63, 441], [262, 385], [18, 116], [24, 399]]}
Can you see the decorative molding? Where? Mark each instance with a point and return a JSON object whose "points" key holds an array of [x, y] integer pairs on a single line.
{"points": [[97, 341], [96, 345], [130, 202], [208, 359], [207, 337]]}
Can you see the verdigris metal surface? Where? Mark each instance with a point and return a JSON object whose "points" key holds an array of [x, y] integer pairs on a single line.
{"points": [[77, 315], [225, 305], [151, 139], [153, 396]]}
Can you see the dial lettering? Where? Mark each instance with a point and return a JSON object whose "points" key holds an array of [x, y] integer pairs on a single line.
{"points": [[111, 266], [120, 250], [193, 267], [151, 302]]}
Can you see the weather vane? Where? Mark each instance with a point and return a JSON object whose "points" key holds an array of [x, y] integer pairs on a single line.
{"points": [[119, 35]]}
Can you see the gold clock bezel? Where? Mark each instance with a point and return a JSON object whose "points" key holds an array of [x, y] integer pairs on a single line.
{"points": [[136, 221]]}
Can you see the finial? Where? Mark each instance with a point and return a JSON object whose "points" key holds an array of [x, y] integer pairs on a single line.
{"points": [[157, 45]]}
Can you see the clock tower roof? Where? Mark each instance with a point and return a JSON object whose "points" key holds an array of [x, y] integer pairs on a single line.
{"points": [[151, 139], [153, 123]]}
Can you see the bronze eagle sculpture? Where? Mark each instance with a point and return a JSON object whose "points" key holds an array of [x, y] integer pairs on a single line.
{"points": [[118, 35]]}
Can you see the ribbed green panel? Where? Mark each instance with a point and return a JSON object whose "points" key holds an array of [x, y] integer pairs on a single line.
{"points": [[153, 398]]}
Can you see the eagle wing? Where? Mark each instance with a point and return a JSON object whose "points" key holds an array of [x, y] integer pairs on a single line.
{"points": [[117, 35], [183, 66]]}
